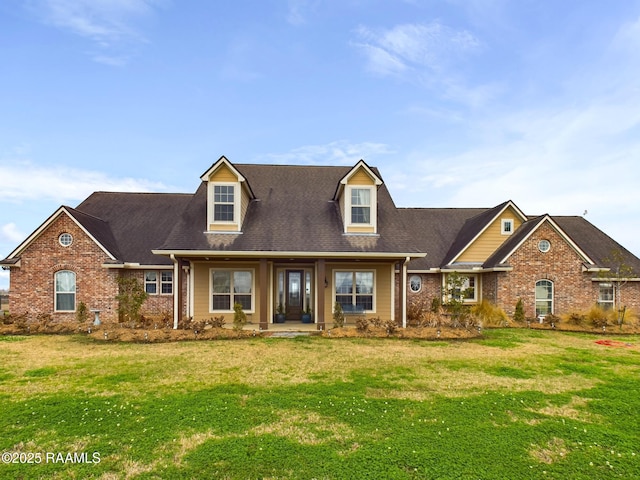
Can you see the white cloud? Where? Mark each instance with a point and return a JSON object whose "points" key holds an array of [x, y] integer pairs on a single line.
{"points": [[25, 181], [298, 11], [427, 54], [108, 24], [431, 46], [335, 153], [10, 232]]}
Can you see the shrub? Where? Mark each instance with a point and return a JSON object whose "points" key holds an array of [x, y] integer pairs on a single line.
{"points": [[489, 314], [130, 298], [416, 312], [217, 322], [239, 317], [598, 317], [576, 318], [391, 326], [338, 316], [552, 319], [362, 324], [82, 313], [518, 315], [436, 303]]}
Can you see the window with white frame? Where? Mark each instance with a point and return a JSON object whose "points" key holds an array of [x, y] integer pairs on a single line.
{"points": [[354, 289], [507, 226], [158, 282], [229, 287], [415, 283], [606, 296], [166, 282], [361, 206], [65, 291], [544, 297], [223, 203], [463, 287], [151, 282]]}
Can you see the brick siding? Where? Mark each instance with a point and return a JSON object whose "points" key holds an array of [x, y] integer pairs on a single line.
{"points": [[32, 289]]}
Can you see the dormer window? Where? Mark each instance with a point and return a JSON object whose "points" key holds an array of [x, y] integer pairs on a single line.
{"points": [[361, 205], [228, 197], [223, 203], [357, 196]]}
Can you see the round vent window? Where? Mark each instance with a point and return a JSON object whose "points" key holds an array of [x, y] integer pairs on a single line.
{"points": [[65, 239], [544, 246]]}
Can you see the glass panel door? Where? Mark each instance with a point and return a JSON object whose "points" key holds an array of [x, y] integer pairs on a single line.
{"points": [[294, 294]]}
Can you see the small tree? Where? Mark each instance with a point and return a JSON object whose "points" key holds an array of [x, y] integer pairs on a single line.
{"points": [[130, 299], [455, 293], [338, 316], [518, 315], [239, 317], [618, 274], [82, 313]]}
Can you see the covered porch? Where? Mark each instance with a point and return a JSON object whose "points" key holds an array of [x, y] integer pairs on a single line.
{"points": [[279, 293]]}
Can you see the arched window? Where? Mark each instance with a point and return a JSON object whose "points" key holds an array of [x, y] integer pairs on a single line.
{"points": [[65, 291], [544, 297]]}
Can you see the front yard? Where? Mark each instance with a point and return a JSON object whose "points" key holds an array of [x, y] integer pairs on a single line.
{"points": [[516, 403]]}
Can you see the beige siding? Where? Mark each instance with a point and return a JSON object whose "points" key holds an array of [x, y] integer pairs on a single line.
{"points": [[368, 229], [361, 177], [202, 289], [223, 174], [490, 239], [383, 289], [244, 205]]}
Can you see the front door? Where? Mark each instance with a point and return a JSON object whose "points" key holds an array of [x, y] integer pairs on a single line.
{"points": [[294, 294]]}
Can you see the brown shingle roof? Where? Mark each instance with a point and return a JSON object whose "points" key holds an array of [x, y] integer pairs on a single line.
{"points": [[434, 230], [131, 224], [293, 212]]}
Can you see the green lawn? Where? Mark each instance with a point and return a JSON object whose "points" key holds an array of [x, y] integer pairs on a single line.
{"points": [[514, 404]]}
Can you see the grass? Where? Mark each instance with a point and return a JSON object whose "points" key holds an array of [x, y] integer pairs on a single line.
{"points": [[513, 404]]}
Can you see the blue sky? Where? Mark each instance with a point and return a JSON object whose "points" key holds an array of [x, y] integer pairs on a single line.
{"points": [[460, 103]]}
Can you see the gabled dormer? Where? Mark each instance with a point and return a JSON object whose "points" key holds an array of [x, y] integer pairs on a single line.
{"points": [[357, 196], [228, 197], [482, 235]]}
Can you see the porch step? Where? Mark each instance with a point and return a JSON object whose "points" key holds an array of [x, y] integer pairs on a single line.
{"points": [[291, 334]]}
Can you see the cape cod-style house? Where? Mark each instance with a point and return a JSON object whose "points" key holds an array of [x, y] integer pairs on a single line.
{"points": [[302, 238]]}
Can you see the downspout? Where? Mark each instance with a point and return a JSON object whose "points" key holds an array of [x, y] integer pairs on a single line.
{"points": [[176, 285], [404, 292]]}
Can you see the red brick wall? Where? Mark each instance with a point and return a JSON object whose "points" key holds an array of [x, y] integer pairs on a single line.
{"points": [[32, 288], [157, 306], [574, 290]]}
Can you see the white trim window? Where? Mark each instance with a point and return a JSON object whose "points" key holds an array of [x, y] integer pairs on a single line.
{"points": [[544, 297], [158, 282], [506, 226], [415, 283], [355, 290], [65, 291], [224, 203], [361, 206], [166, 282], [466, 290], [151, 282], [229, 287], [606, 298]]}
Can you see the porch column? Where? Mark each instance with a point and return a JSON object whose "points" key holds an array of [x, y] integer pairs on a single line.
{"points": [[178, 278], [320, 287], [263, 282], [403, 292]]}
